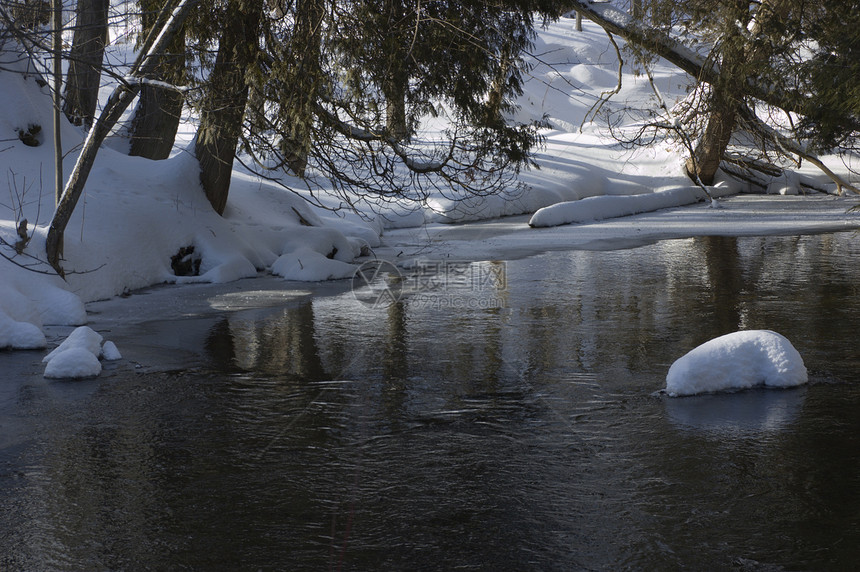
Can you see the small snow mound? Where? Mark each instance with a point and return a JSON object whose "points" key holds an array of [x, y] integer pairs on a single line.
{"points": [[74, 363], [83, 337], [110, 352], [786, 184], [737, 361]]}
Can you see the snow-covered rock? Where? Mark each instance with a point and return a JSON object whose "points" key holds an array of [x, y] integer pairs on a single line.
{"points": [[74, 363], [77, 357], [110, 352], [737, 361], [83, 337]]}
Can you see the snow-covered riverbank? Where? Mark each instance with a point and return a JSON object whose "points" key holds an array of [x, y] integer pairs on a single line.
{"points": [[137, 214]]}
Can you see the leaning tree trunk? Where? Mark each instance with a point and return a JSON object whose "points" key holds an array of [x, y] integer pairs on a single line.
{"points": [[741, 59], [709, 152], [496, 98], [724, 101], [156, 118], [85, 61], [225, 100]]}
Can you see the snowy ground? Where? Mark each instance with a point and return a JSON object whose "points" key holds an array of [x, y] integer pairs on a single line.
{"points": [[136, 213]]}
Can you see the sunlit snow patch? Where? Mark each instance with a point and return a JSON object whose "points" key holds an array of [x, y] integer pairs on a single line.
{"points": [[737, 361], [78, 356]]}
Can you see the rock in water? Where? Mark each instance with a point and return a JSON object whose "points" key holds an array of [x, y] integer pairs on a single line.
{"points": [[737, 361]]}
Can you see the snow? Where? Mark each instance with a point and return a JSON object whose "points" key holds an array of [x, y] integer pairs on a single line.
{"points": [[75, 363], [78, 355], [309, 265], [135, 214], [613, 206], [739, 360], [83, 337], [110, 352], [18, 335]]}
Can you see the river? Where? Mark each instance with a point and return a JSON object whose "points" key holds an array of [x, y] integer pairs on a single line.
{"points": [[500, 415]]}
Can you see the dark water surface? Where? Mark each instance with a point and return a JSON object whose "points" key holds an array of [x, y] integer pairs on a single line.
{"points": [[507, 425]]}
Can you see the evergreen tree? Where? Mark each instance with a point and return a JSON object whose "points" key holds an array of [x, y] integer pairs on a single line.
{"points": [[833, 76], [343, 91], [757, 51]]}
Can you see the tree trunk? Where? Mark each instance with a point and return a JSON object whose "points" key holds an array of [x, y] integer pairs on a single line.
{"points": [[225, 100], [395, 106], [718, 132], [155, 122], [57, 72], [394, 88], [156, 119], [85, 61], [297, 104], [495, 99], [741, 59]]}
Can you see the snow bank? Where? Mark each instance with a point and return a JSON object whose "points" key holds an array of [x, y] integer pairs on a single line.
{"points": [[17, 335], [134, 216], [737, 361], [612, 206], [77, 357], [641, 200], [30, 301]]}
